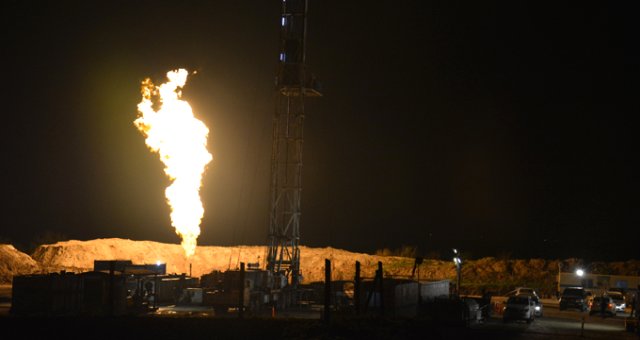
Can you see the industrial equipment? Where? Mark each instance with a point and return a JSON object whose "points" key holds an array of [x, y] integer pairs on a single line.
{"points": [[293, 85], [276, 286], [221, 290], [114, 287]]}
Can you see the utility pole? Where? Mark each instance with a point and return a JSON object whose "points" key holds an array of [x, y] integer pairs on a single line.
{"points": [[293, 85], [458, 262]]}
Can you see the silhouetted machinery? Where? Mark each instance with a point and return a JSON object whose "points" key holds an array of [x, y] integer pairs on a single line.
{"points": [[121, 288], [222, 290], [112, 288]]}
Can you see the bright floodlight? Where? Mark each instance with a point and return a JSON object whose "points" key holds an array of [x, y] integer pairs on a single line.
{"points": [[579, 272], [158, 263], [455, 251]]}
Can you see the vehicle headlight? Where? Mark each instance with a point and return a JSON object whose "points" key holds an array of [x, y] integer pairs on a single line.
{"points": [[537, 307]]}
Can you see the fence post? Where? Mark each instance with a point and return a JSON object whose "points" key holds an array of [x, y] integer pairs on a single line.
{"points": [[241, 292], [381, 278], [112, 288], [356, 289], [327, 290]]}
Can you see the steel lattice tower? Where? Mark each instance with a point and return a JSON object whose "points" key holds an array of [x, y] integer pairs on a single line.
{"points": [[293, 85]]}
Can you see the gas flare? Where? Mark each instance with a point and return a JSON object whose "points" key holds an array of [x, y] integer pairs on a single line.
{"points": [[180, 140]]}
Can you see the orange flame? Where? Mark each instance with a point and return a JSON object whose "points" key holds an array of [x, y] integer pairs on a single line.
{"points": [[180, 139]]}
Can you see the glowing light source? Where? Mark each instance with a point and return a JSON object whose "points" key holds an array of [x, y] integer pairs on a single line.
{"points": [[180, 139], [580, 272], [458, 262]]}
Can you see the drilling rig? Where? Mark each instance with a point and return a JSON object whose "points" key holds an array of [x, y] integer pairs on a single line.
{"points": [[293, 86], [278, 284]]}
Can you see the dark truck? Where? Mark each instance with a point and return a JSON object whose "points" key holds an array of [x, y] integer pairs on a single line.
{"points": [[574, 297]]}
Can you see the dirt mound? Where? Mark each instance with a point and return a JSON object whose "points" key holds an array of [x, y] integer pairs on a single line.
{"points": [[14, 262], [79, 256], [496, 275]]}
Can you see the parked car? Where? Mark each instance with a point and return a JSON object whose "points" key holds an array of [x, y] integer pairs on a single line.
{"points": [[534, 296], [602, 305], [618, 299], [519, 307], [537, 306], [574, 297], [474, 313], [522, 291], [452, 312], [589, 295]]}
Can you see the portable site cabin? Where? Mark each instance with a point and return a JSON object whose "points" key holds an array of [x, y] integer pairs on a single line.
{"points": [[90, 293]]}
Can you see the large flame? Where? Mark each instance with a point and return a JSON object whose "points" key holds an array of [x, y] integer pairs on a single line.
{"points": [[181, 141]]}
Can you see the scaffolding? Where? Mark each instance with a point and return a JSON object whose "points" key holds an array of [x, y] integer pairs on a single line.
{"points": [[293, 85]]}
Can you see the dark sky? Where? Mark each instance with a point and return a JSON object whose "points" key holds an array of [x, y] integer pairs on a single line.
{"points": [[497, 129]]}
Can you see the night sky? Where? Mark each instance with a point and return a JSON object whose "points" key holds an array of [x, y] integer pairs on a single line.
{"points": [[501, 130]]}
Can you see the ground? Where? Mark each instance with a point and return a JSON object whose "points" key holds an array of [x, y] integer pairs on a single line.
{"points": [[177, 322]]}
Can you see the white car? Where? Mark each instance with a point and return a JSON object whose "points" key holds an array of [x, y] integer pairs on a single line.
{"points": [[523, 291], [618, 299], [534, 296], [519, 307]]}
